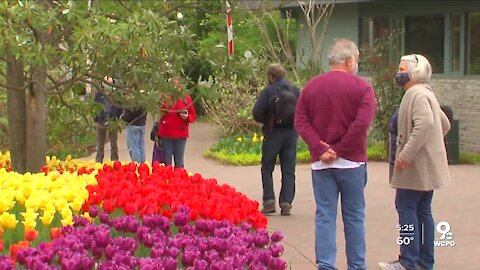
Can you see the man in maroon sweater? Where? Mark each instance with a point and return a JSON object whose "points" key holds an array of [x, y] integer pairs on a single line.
{"points": [[333, 114]]}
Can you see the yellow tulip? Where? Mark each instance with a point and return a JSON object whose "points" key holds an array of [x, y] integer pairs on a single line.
{"points": [[239, 139], [87, 216], [76, 205], [8, 221], [6, 202], [47, 217], [32, 203], [26, 190], [67, 221], [61, 203], [29, 224]]}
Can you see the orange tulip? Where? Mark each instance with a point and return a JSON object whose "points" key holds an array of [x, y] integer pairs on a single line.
{"points": [[1, 232], [30, 235], [55, 233]]}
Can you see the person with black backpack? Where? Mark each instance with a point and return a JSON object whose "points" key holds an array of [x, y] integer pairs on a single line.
{"points": [[275, 109]]}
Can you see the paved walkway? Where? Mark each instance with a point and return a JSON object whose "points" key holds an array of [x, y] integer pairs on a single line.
{"points": [[458, 204]]}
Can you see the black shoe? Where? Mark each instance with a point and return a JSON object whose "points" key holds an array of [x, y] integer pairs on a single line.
{"points": [[268, 207], [285, 209]]}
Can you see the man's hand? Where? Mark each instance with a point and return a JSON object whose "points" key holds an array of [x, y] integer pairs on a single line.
{"points": [[328, 156], [401, 164]]}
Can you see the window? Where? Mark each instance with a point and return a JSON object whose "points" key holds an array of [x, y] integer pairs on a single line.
{"points": [[372, 28], [473, 44], [455, 43], [425, 35]]}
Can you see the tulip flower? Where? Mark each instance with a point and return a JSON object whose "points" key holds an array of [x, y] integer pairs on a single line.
{"points": [[55, 233], [8, 221], [30, 234]]}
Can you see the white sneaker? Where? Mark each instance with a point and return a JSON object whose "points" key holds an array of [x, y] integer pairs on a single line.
{"points": [[395, 265]]}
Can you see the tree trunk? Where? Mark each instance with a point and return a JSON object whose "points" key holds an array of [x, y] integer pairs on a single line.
{"points": [[16, 106], [36, 146]]}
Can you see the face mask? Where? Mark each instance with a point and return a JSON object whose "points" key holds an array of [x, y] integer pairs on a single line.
{"points": [[402, 78]]}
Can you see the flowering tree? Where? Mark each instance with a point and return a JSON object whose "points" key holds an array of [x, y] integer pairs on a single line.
{"points": [[61, 48]]}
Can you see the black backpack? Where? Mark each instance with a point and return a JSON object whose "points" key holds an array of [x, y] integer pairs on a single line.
{"points": [[284, 107]]}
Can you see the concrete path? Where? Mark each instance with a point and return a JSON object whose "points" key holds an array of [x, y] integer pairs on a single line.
{"points": [[458, 204]]}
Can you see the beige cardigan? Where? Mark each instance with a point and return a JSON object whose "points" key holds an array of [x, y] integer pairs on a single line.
{"points": [[421, 128]]}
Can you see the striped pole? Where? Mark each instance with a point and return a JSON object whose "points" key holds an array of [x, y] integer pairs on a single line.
{"points": [[229, 30]]}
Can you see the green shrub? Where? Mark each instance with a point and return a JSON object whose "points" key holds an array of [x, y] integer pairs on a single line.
{"points": [[469, 158], [246, 150]]}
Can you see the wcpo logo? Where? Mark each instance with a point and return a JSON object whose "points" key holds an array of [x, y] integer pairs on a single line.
{"points": [[446, 235]]}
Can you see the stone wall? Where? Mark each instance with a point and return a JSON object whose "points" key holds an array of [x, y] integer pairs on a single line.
{"points": [[464, 97]]}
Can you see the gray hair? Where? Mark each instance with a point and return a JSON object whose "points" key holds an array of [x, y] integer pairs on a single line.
{"points": [[276, 70], [341, 50], [418, 67]]}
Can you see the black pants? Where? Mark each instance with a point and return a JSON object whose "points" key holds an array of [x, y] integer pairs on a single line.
{"points": [[280, 143]]}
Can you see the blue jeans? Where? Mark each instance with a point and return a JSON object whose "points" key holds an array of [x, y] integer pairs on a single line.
{"points": [[175, 148], [415, 208], [281, 143], [327, 185], [136, 143]]}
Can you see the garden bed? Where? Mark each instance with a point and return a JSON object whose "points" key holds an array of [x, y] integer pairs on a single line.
{"points": [[87, 215]]}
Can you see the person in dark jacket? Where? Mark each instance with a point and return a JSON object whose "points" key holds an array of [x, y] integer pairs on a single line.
{"points": [[136, 119], [107, 113], [393, 130], [279, 141]]}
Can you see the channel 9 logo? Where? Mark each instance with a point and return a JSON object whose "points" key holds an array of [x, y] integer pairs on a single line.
{"points": [[446, 235]]}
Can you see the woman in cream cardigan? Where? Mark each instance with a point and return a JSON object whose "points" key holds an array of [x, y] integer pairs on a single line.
{"points": [[421, 163]]}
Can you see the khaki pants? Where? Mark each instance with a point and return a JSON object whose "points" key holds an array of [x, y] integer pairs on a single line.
{"points": [[101, 137]]}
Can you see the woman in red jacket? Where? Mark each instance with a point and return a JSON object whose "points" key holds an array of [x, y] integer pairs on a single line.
{"points": [[173, 131]]}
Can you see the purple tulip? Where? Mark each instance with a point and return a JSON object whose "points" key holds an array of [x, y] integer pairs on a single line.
{"points": [[276, 249], [180, 219], [200, 265], [277, 264], [246, 227], [104, 218], [257, 267], [93, 211], [239, 261], [172, 252], [69, 264], [97, 251], [170, 263], [276, 236], [220, 265], [80, 221], [102, 237]]}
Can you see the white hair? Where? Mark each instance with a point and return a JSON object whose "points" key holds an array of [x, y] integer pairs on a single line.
{"points": [[418, 67], [341, 50]]}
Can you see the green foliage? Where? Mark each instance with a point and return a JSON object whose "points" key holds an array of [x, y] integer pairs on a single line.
{"points": [[246, 150], [469, 158], [380, 62], [376, 151]]}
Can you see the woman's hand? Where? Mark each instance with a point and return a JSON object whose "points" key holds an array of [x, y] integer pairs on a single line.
{"points": [[401, 164]]}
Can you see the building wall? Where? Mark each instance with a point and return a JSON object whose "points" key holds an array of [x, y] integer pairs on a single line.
{"points": [[463, 96], [343, 23]]}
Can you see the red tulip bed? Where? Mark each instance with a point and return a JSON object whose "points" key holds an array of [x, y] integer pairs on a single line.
{"points": [[153, 217]]}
